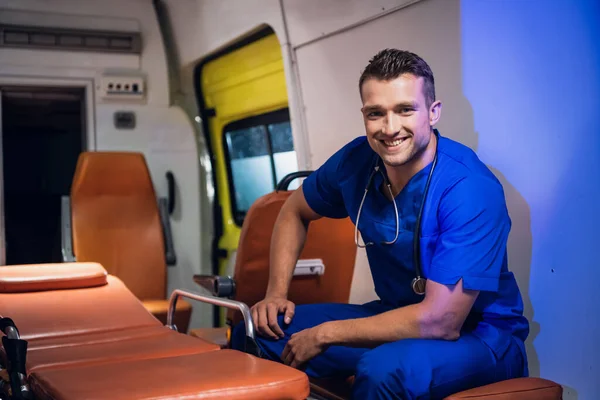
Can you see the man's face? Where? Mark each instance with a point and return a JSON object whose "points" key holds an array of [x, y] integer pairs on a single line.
{"points": [[397, 119]]}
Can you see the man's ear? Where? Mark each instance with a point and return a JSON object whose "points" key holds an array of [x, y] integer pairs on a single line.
{"points": [[435, 112]]}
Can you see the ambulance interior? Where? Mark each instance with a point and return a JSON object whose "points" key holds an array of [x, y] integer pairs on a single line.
{"points": [[148, 146]]}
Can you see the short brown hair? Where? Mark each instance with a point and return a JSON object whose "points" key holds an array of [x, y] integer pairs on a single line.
{"points": [[389, 64]]}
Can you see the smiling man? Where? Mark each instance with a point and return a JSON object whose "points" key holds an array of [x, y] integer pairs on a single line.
{"points": [[450, 314]]}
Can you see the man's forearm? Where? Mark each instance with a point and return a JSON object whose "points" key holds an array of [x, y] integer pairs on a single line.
{"points": [[414, 321], [287, 242]]}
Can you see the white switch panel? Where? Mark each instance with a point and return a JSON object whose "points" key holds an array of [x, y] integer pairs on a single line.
{"points": [[112, 87]]}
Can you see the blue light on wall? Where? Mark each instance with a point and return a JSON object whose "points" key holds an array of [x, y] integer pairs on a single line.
{"points": [[531, 71]]}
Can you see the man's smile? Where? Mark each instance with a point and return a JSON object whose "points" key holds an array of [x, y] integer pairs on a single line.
{"points": [[394, 143]]}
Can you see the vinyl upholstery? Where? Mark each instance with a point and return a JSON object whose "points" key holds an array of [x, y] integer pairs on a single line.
{"points": [[99, 342], [223, 374], [116, 222], [331, 240]]}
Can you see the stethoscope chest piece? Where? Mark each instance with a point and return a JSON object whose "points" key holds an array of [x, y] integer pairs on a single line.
{"points": [[418, 285]]}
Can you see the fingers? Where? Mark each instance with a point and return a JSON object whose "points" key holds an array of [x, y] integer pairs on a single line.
{"points": [[263, 322], [290, 309], [272, 311], [289, 356], [265, 313], [286, 354], [254, 317], [294, 363]]}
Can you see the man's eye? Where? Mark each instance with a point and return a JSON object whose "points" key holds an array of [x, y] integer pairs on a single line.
{"points": [[406, 110], [374, 114]]}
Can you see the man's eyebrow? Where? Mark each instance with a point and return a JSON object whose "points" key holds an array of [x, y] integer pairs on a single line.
{"points": [[377, 107], [406, 104], [373, 107]]}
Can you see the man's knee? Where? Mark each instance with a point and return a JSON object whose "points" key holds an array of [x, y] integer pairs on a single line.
{"points": [[381, 375], [376, 376]]}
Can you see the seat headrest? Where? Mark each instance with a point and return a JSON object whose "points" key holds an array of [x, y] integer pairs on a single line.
{"points": [[44, 277], [111, 173]]}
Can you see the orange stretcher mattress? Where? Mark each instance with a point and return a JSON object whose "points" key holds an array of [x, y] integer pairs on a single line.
{"points": [[90, 338], [223, 374]]}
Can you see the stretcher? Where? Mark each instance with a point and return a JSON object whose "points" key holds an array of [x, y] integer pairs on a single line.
{"points": [[71, 331]]}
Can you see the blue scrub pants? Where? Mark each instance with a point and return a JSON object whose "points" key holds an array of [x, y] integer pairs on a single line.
{"points": [[406, 369]]}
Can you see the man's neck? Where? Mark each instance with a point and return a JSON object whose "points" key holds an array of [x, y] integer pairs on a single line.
{"points": [[399, 176]]}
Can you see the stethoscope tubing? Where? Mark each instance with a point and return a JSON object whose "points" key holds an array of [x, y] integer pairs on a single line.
{"points": [[418, 283]]}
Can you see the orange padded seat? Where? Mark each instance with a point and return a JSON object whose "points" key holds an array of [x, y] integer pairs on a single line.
{"points": [[514, 389], [38, 277], [95, 340], [331, 240], [158, 342], [116, 222], [83, 310], [70, 326], [223, 375]]}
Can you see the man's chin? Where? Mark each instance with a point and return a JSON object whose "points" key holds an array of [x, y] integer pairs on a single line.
{"points": [[394, 161]]}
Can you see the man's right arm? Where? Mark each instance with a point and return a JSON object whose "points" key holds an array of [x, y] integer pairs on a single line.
{"points": [[287, 242], [319, 196]]}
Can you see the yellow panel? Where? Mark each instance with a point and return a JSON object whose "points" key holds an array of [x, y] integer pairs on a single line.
{"points": [[247, 82]]}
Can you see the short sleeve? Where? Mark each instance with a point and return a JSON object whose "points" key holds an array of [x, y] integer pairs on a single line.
{"points": [[474, 227], [322, 190]]}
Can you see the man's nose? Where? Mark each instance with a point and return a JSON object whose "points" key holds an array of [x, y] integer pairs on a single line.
{"points": [[391, 125]]}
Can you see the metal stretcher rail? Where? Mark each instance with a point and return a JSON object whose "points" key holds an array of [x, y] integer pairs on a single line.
{"points": [[243, 308]]}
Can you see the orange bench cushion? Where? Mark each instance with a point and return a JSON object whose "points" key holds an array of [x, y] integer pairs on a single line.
{"points": [[513, 389], [40, 277], [156, 342], [223, 374], [76, 311]]}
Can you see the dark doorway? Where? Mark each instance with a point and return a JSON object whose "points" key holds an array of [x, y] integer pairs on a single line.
{"points": [[43, 132]]}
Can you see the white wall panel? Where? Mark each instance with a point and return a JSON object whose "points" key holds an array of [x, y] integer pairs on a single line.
{"points": [[201, 26], [311, 19]]}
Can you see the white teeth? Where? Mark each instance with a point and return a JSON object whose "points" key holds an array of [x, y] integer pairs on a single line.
{"points": [[393, 142]]}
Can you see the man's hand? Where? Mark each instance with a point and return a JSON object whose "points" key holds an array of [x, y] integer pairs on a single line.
{"points": [[303, 346], [265, 312]]}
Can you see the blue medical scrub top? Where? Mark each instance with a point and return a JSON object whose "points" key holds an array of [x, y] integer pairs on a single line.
{"points": [[464, 235]]}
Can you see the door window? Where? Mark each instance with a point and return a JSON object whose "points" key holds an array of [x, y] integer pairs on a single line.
{"points": [[260, 152]]}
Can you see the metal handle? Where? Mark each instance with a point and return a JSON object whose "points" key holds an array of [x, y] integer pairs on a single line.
{"points": [[217, 301], [171, 190], [170, 256]]}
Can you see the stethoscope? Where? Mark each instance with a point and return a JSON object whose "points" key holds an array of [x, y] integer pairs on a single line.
{"points": [[418, 283]]}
